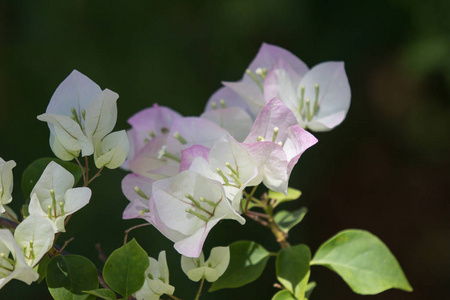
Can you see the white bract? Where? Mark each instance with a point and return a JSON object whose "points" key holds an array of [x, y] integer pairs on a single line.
{"points": [[251, 86], [112, 150], [186, 207], [54, 198], [197, 268], [232, 165], [78, 115], [156, 280], [6, 182], [12, 261], [319, 98], [35, 237], [276, 142]]}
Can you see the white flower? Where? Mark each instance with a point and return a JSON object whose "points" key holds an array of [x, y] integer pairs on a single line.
{"points": [[54, 198], [6, 182], [35, 237], [197, 268], [156, 280], [78, 115], [12, 261]]}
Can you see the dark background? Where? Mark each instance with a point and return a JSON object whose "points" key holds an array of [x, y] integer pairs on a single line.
{"points": [[385, 169]]}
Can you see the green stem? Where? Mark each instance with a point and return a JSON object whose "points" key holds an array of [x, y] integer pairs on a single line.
{"points": [[200, 289]]}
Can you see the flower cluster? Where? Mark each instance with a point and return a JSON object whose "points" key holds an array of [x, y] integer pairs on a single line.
{"points": [[188, 173], [53, 198]]}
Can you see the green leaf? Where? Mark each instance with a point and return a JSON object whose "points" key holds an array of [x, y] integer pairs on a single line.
{"points": [[32, 173], [363, 261], [103, 294], [292, 194], [68, 276], [283, 295], [309, 289], [293, 269], [42, 268], [124, 270], [247, 262], [286, 220]]}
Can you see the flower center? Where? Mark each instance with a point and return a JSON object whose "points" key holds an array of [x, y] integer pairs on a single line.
{"points": [[306, 111]]}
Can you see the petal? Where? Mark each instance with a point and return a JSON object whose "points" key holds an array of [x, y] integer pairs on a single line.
{"points": [[268, 54], [233, 119], [6, 182], [272, 165], [334, 94], [196, 131], [76, 198], [76, 91], [297, 142], [230, 98], [250, 92], [69, 133], [218, 261], [38, 229], [282, 82], [131, 181], [274, 114], [55, 178], [193, 244], [189, 154], [112, 151], [61, 152], [101, 115]]}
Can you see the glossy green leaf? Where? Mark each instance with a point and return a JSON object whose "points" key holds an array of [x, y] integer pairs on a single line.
{"points": [[68, 276], [292, 194], [363, 261], [247, 262], [102, 294], [293, 269], [42, 268], [124, 270], [283, 295], [286, 220], [32, 173]]}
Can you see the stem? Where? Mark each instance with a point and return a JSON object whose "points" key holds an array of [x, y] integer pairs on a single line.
{"points": [[173, 297], [125, 238], [101, 255], [200, 289], [249, 197], [11, 216], [95, 176], [279, 235], [82, 170], [86, 164], [65, 244]]}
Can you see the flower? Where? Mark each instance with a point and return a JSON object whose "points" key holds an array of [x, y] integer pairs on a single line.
{"points": [[197, 268], [148, 124], [6, 182], [78, 115], [35, 236], [185, 208], [54, 198], [12, 261], [251, 86], [276, 142], [112, 150], [319, 98], [156, 280], [137, 189]]}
